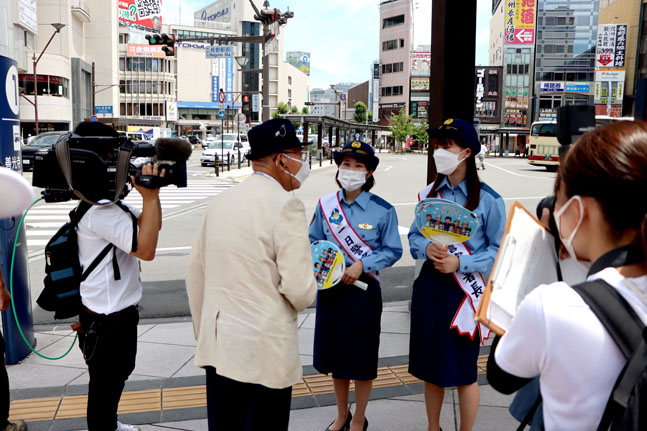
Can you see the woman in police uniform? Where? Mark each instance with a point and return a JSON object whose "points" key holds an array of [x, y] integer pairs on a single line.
{"points": [[444, 343], [347, 329]]}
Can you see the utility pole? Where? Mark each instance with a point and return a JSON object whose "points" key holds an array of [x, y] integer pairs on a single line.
{"points": [[93, 89]]}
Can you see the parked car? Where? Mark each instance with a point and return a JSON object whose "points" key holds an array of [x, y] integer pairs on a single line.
{"points": [[42, 141], [229, 148], [193, 139]]}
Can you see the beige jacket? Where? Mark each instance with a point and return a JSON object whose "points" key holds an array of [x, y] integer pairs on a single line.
{"points": [[250, 272]]}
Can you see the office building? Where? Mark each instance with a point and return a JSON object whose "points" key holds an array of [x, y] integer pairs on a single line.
{"points": [[564, 62], [300, 60], [396, 37]]}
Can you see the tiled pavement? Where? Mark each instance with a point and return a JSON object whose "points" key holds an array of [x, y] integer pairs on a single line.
{"points": [[170, 392]]}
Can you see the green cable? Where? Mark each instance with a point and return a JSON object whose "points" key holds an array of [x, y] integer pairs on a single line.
{"points": [[13, 306]]}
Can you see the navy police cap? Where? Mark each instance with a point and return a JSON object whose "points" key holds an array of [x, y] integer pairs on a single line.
{"points": [[361, 151], [458, 129], [271, 137]]}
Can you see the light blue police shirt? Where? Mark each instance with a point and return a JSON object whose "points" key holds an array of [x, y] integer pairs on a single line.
{"points": [[374, 220], [484, 244]]}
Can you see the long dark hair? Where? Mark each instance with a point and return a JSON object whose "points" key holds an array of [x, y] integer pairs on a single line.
{"points": [[471, 176], [609, 164]]}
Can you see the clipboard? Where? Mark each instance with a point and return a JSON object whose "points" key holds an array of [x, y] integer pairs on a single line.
{"points": [[526, 259]]}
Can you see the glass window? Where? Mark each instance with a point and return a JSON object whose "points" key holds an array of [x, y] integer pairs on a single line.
{"points": [[393, 21], [122, 87], [149, 87], [156, 65], [514, 69], [122, 109], [149, 64], [129, 109], [122, 64], [526, 80], [142, 87], [142, 64]]}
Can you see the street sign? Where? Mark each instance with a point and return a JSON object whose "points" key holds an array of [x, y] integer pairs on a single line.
{"points": [[219, 51], [103, 109], [221, 96], [93, 118], [221, 115]]}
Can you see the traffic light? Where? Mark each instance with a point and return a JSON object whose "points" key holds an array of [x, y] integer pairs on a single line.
{"points": [[309, 103], [245, 99], [168, 40]]}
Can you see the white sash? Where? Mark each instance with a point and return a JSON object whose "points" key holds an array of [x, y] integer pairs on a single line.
{"points": [[472, 284], [343, 232]]}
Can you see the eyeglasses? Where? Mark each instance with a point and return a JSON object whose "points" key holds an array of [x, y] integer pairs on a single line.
{"points": [[302, 156]]}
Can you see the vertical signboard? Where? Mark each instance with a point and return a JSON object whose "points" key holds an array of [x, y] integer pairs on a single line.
{"points": [[28, 15], [171, 111], [9, 234], [520, 22], [420, 63], [611, 45], [215, 88], [229, 83]]}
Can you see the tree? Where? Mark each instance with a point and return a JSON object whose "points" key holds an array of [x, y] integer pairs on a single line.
{"points": [[281, 108], [369, 115], [360, 112], [294, 110], [305, 110], [401, 126], [421, 136]]}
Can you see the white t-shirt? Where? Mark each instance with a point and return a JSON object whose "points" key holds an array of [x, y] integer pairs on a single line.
{"points": [[100, 292], [483, 150], [556, 336]]}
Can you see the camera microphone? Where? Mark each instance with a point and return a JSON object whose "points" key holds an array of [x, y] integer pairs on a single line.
{"points": [[174, 149]]}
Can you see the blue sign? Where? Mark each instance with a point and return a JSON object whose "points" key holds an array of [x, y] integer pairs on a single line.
{"points": [[219, 51], [229, 83], [578, 88], [207, 105], [221, 115], [215, 87], [103, 109], [93, 118]]}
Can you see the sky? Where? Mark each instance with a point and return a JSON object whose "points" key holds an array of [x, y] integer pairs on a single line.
{"points": [[342, 36]]}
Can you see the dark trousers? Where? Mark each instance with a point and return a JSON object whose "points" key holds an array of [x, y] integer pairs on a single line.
{"points": [[238, 406], [4, 387], [109, 346]]}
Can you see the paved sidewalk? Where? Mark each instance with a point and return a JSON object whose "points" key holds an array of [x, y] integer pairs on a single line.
{"points": [[167, 391]]}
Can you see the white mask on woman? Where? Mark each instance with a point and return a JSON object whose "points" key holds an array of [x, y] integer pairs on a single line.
{"points": [[568, 242], [446, 161], [351, 180]]}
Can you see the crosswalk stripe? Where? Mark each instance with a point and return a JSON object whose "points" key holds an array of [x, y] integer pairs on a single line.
{"points": [[43, 220]]}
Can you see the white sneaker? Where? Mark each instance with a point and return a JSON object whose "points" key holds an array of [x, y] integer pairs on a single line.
{"points": [[125, 427]]}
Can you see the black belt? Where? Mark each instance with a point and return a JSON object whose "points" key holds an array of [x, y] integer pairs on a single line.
{"points": [[126, 310]]}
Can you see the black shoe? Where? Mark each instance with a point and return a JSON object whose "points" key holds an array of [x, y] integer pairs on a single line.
{"points": [[365, 424], [346, 425]]}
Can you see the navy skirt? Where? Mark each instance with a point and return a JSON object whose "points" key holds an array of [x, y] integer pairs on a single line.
{"points": [[347, 330], [438, 354]]}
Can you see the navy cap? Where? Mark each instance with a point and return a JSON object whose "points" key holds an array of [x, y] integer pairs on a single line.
{"points": [[272, 136], [361, 151], [458, 129]]}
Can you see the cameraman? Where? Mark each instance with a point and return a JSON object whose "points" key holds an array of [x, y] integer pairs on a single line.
{"points": [[109, 315]]}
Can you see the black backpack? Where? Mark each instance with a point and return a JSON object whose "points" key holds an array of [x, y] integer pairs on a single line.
{"points": [[627, 405], [63, 271]]}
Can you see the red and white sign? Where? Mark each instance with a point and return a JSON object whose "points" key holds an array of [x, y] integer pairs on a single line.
{"points": [[519, 19], [524, 36], [142, 13], [611, 45], [140, 50]]}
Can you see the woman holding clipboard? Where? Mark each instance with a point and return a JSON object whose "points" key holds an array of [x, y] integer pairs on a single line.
{"points": [[445, 339], [347, 328], [557, 333]]}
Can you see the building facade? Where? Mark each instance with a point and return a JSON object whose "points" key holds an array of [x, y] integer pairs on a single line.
{"points": [[300, 60], [419, 84], [564, 63], [396, 38]]}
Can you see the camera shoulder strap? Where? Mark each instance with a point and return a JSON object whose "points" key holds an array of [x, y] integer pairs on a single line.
{"points": [[123, 163]]}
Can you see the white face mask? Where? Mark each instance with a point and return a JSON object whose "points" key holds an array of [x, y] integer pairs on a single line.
{"points": [[351, 180], [303, 172], [568, 242], [446, 161]]}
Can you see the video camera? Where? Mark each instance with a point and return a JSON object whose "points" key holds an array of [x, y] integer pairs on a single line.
{"points": [[98, 167]]}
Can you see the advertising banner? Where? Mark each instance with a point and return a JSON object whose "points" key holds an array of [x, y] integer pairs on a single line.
{"points": [[611, 45], [420, 63], [215, 88], [520, 22], [577, 88], [419, 84], [229, 83], [137, 50], [515, 117], [141, 13], [171, 111], [610, 76], [218, 11]]}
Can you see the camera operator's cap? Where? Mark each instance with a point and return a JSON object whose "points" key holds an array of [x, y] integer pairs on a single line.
{"points": [[272, 136], [456, 128], [361, 151]]}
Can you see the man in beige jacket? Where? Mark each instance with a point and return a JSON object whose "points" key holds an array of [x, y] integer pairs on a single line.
{"points": [[246, 281]]}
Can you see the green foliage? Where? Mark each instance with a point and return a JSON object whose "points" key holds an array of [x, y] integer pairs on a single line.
{"points": [[305, 110], [294, 110], [401, 125], [369, 115], [420, 135], [281, 108], [360, 113]]}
